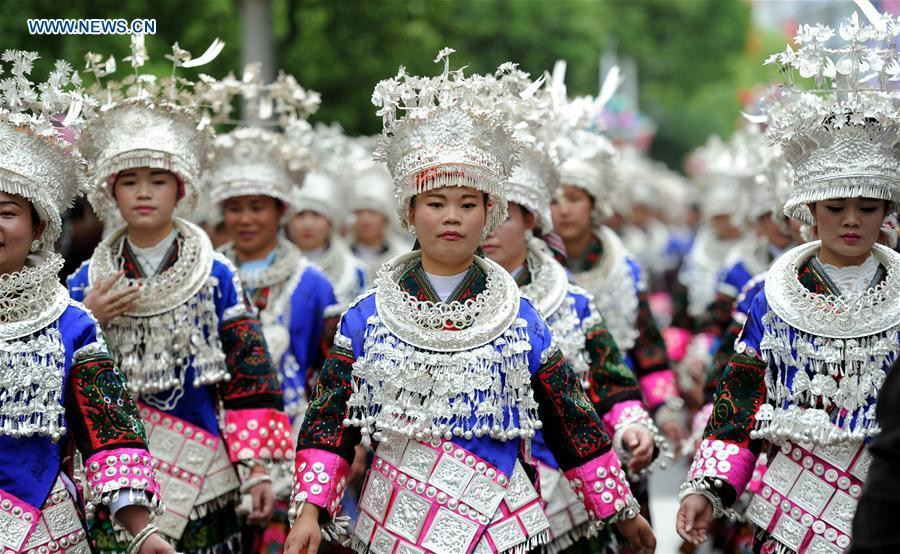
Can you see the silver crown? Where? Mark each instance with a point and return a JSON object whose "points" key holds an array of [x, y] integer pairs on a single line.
{"points": [[450, 135], [37, 162], [588, 159], [536, 124], [148, 122], [249, 161], [373, 189], [321, 192], [726, 174], [842, 139]]}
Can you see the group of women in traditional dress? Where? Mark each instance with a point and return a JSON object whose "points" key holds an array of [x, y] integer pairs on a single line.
{"points": [[505, 385]]}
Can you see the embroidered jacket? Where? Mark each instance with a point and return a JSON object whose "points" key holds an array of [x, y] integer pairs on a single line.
{"points": [[296, 319], [646, 354], [461, 487], [215, 393], [41, 507], [804, 377]]}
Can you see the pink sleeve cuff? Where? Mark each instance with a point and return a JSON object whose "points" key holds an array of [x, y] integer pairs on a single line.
{"points": [[723, 460], [677, 340], [600, 484], [320, 478], [109, 471], [262, 434], [622, 414], [657, 387]]}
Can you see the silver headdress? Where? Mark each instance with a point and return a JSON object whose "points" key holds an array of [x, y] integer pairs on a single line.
{"points": [[451, 135], [147, 122], [588, 158], [536, 124], [321, 161], [373, 189], [251, 160], [843, 139], [37, 162], [727, 175]]}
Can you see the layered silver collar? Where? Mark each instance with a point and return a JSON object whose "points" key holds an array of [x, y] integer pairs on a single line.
{"points": [[422, 323], [164, 291], [339, 266], [32, 298], [841, 317], [287, 259], [612, 284], [549, 284]]}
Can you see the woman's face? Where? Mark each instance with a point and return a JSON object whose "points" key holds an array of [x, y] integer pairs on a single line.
{"points": [[252, 222], [448, 223], [571, 210], [724, 227], [506, 245], [849, 227], [772, 232], [18, 230], [309, 230], [369, 227], [146, 197]]}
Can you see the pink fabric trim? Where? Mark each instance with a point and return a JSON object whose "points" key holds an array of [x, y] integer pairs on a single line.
{"points": [[23, 520], [601, 485], [724, 460], [677, 340], [623, 413], [700, 419], [110, 470], [258, 434], [320, 478], [658, 387]]}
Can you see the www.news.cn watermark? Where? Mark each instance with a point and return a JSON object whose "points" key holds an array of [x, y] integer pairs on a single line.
{"points": [[92, 27]]}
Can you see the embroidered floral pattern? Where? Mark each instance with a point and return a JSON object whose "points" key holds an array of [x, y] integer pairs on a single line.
{"points": [[109, 414]]}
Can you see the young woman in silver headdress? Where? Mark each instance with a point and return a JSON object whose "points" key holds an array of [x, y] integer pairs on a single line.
{"points": [[70, 433], [823, 331], [445, 367], [177, 318]]}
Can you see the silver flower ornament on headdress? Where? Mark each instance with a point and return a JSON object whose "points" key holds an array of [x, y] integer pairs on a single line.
{"points": [[251, 160], [449, 134], [842, 138], [36, 123], [145, 121], [536, 124]]}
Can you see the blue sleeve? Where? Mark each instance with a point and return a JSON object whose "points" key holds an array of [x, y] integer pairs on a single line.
{"points": [[78, 281], [538, 334], [752, 333], [635, 273]]}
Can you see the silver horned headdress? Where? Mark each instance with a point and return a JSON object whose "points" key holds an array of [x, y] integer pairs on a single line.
{"points": [[450, 134], [252, 160], [588, 159], [842, 138], [145, 121], [36, 122], [535, 123]]}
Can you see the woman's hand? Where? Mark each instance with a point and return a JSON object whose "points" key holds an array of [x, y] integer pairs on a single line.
{"points": [[694, 518], [263, 498], [639, 442], [305, 536], [639, 534], [136, 517], [156, 545], [674, 431], [106, 304]]}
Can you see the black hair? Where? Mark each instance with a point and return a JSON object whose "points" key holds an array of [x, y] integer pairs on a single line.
{"points": [[35, 218]]}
